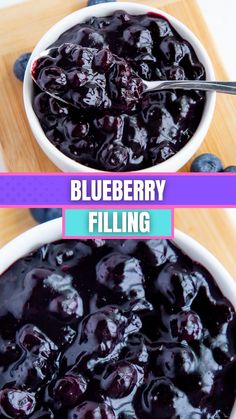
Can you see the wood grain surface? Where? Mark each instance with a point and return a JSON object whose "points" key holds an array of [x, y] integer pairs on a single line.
{"points": [[211, 227], [21, 26]]}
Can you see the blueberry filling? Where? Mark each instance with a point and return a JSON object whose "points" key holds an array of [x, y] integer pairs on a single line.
{"points": [[96, 66], [114, 329], [88, 79]]}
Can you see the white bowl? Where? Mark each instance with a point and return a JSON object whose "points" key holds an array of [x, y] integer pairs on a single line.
{"points": [[66, 164], [52, 231]]}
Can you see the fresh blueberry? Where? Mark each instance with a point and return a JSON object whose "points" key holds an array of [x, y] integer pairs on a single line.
{"points": [[92, 2], [230, 169], [41, 215], [206, 163], [20, 65]]}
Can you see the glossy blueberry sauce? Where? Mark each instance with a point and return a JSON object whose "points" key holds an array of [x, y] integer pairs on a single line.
{"points": [[96, 66], [103, 82], [115, 329]]}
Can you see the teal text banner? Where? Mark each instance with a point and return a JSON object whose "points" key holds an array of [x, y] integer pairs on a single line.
{"points": [[112, 223]]}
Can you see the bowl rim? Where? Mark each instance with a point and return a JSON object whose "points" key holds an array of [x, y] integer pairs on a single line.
{"points": [[64, 162], [52, 231]]}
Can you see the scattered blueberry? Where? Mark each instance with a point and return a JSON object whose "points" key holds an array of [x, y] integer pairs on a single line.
{"points": [[41, 215], [230, 169], [93, 2], [206, 163], [20, 65]]}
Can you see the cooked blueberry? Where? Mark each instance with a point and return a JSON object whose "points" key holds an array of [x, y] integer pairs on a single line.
{"points": [[102, 331], [119, 379], [97, 66], [176, 73], [16, 403], [162, 399], [162, 152], [230, 169], [176, 284], [34, 341], [206, 163], [67, 257], [92, 410], [92, 2], [103, 60], [136, 351], [36, 363], [121, 274], [155, 252], [136, 138], [42, 414], [67, 306], [20, 65], [41, 215], [69, 53], [69, 389], [175, 361], [114, 157], [75, 131], [186, 325], [53, 80], [125, 87], [139, 38]]}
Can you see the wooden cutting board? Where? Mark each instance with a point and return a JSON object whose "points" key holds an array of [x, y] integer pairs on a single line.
{"points": [[21, 26], [211, 227]]}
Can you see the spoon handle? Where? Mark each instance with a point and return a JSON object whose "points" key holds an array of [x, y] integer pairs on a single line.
{"points": [[216, 86]]}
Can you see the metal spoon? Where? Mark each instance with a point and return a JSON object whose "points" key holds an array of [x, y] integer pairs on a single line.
{"points": [[206, 85]]}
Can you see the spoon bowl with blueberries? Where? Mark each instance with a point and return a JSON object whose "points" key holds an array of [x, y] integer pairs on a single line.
{"points": [[86, 90], [87, 81]]}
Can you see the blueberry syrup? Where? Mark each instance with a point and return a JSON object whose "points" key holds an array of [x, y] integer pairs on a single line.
{"points": [[114, 330], [96, 66]]}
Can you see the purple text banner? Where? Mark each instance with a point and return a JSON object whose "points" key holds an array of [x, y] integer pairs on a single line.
{"points": [[181, 190]]}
